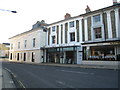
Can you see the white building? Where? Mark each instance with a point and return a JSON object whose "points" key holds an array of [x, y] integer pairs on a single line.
{"points": [[90, 37], [25, 47]]}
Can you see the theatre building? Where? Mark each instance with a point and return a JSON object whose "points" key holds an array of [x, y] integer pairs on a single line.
{"points": [[93, 36], [25, 47]]}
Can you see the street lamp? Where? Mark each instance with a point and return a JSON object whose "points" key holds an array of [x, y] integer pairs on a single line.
{"points": [[8, 10]]}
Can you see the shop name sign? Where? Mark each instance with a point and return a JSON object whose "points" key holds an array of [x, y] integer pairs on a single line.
{"points": [[115, 43]]}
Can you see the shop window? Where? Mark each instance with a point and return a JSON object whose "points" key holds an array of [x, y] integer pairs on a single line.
{"points": [[71, 24], [98, 32], [96, 18], [72, 36], [53, 28], [53, 39]]}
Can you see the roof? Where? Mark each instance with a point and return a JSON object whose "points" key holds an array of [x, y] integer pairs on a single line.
{"points": [[35, 27], [85, 14]]}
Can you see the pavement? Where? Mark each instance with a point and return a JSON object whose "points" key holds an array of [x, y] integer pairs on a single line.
{"points": [[92, 66], [7, 80]]}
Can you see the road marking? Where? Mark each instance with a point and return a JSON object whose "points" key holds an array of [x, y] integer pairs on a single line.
{"points": [[21, 84], [11, 82], [75, 72], [60, 82]]}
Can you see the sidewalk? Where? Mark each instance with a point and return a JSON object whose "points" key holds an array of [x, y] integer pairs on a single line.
{"points": [[92, 66], [7, 81], [83, 66]]}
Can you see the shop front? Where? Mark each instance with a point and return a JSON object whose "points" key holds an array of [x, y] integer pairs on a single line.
{"points": [[101, 52], [63, 55]]}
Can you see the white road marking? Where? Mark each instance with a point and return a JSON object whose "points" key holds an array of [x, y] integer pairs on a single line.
{"points": [[11, 82], [21, 84], [75, 72], [60, 82]]}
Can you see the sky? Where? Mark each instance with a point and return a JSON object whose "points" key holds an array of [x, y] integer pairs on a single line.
{"points": [[31, 11]]}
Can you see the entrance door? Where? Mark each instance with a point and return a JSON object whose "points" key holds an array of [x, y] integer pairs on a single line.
{"points": [[18, 56], [24, 57], [69, 57]]}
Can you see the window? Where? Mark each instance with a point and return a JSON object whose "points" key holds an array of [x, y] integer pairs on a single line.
{"points": [[98, 32], [17, 56], [96, 18], [33, 56], [71, 24], [33, 42], [10, 56], [25, 43], [11, 46], [24, 59], [72, 36], [53, 39], [53, 28], [18, 45]]}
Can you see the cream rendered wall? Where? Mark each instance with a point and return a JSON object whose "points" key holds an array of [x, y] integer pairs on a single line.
{"points": [[39, 35]]}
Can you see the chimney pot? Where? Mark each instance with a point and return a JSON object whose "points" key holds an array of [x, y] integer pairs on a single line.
{"points": [[88, 9], [67, 16]]}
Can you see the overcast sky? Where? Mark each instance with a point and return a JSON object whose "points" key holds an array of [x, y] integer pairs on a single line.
{"points": [[31, 11]]}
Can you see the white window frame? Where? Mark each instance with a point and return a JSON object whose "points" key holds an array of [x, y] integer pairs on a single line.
{"points": [[71, 24]]}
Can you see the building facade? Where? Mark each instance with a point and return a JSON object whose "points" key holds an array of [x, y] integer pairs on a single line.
{"points": [[90, 38], [4, 50], [93, 36], [25, 47]]}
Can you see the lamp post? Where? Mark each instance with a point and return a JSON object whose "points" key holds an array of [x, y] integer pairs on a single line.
{"points": [[8, 10]]}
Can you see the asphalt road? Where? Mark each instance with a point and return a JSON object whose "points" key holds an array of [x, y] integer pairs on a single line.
{"points": [[38, 76]]}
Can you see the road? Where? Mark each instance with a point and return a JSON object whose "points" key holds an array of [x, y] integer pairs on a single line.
{"points": [[40, 76]]}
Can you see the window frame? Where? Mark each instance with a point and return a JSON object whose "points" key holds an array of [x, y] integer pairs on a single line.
{"points": [[97, 18], [98, 32], [34, 42], [18, 45], [72, 37], [53, 41], [53, 28], [25, 43], [71, 24]]}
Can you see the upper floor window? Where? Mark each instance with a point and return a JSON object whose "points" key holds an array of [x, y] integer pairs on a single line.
{"points": [[96, 18], [25, 43], [34, 42], [18, 45], [11, 46], [98, 32], [71, 24], [53, 28], [72, 36], [53, 39]]}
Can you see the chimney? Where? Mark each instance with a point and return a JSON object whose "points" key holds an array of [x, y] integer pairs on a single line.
{"points": [[114, 2], [87, 9], [67, 16]]}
